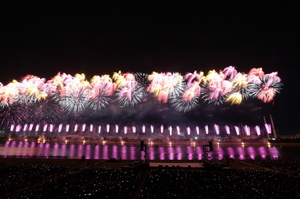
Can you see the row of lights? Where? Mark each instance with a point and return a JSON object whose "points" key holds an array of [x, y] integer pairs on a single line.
{"points": [[39, 140], [150, 143]]}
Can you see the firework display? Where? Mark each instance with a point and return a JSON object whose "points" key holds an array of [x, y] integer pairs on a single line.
{"points": [[43, 99]]}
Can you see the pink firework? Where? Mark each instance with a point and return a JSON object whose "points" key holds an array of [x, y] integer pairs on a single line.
{"points": [[128, 86], [193, 86], [220, 89], [257, 72], [193, 91], [254, 79], [102, 85], [230, 72], [272, 78], [163, 84], [192, 78], [266, 95]]}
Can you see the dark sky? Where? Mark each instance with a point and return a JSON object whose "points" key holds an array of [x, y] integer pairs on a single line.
{"points": [[45, 37]]}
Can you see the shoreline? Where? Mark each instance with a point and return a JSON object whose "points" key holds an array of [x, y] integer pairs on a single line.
{"points": [[152, 143]]}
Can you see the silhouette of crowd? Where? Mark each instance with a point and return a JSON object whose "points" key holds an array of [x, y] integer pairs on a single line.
{"points": [[16, 176], [31, 181], [219, 184], [287, 166]]}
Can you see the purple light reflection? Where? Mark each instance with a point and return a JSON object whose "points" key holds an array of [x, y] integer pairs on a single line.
{"points": [[179, 152], [40, 149], [55, 151], [7, 144], [105, 152], [274, 152], [251, 152], [171, 153], [151, 153], [115, 152], [162, 153], [199, 152], [262, 152], [72, 150], [80, 150], [230, 152], [20, 144], [189, 151], [97, 149], [87, 151], [241, 153], [132, 152], [46, 151], [64, 150], [220, 153], [124, 152]]}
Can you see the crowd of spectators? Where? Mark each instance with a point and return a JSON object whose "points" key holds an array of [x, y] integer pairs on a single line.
{"points": [[286, 166], [16, 176], [88, 183], [94, 182], [170, 183]]}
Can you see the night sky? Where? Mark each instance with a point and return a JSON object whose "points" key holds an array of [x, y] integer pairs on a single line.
{"points": [[96, 38]]}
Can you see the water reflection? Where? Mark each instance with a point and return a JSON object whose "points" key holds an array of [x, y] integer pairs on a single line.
{"points": [[132, 152]]}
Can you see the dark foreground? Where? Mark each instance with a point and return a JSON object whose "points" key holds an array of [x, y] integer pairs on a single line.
{"points": [[74, 178]]}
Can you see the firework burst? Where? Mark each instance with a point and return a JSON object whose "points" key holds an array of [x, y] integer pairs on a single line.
{"points": [[35, 100]]}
